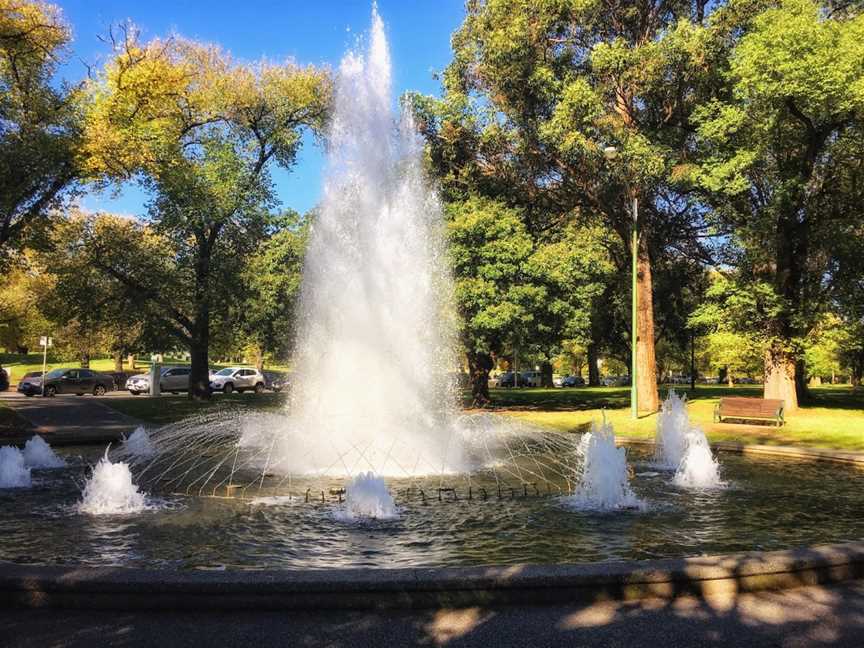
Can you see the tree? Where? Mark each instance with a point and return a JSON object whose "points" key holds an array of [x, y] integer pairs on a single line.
{"points": [[273, 276], [769, 147], [200, 133], [535, 92], [39, 119], [489, 247], [21, 320], [91, 311]]}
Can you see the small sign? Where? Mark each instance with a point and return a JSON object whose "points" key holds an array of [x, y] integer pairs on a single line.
{"points": [[46, 341]]}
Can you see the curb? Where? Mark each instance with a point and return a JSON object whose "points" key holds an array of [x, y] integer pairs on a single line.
{"points": [[132, 589]]}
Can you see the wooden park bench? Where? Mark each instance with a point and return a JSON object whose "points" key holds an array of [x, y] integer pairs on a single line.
{"points": [[749, 409]]}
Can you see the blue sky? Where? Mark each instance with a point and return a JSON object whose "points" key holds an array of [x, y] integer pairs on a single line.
{"points": [[305, 30]]}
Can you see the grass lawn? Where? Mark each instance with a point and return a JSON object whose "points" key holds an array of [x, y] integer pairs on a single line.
{"points": [[834, 419], [168, 409]]}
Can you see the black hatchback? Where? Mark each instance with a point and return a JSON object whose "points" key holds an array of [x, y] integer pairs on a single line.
{"points": [[70, 381]]}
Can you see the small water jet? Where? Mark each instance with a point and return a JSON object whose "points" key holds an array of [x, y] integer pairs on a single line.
{"points": [[367, 497], [110, 491], [673, 423], [138, 444], [683, 447], [39, 454], [13, 472], [698, 467], [603, 481]]}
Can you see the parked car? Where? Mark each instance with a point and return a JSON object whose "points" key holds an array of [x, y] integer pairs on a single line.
{"points": [[69, 381], [572, 381], [276, 381], [30, 379], [531, 379], [240, 379], [616, 381], [171, 379], [4, 379]]}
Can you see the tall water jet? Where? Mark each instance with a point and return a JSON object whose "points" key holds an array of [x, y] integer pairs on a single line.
{"points": [[603, 482], [13, 472], [110, 491], [38, 454], [371, 351]]}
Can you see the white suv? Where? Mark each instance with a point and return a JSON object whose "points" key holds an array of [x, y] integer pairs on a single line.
{"points": [[240, 379]]}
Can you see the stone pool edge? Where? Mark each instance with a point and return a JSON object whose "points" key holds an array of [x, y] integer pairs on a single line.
{"points": [[789, 452], [132, 589]]}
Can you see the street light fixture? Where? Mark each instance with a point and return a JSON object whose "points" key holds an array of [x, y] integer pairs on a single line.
{"points": [[610, 153]]}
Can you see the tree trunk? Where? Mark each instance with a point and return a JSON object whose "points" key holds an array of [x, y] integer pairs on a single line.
{"points": [[131, 361], [85, 360], [199, 372], [479, 366], [118, 361], [780, 377], [722, 375], [646, 361], [593, 368], [259, 358], [546, 374], [199, 347], [730, 380]]}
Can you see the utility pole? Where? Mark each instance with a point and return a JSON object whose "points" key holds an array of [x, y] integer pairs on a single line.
{"points": [[692, 361], [45, 342], [634, 389]]}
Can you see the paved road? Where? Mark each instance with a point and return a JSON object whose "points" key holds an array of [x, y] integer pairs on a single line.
{"points": [[70, 419], [800, 618]]}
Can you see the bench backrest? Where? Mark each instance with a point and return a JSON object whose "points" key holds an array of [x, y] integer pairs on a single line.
{"points": [[737, 405]]}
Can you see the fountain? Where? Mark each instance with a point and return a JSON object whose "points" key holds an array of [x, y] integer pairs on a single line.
{"points": [[366, 496], [603, 480], [372, 350], [370, 401], [138, 444], [683, 447], [38, 454], [13, 472], [110, 491]]}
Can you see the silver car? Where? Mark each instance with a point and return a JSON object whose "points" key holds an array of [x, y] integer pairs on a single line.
{"points": [[172, 379], [240, 379]]}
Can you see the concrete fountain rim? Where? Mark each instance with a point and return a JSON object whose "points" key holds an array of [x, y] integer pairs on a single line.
{"points": [[380, 588], [440, 587]]}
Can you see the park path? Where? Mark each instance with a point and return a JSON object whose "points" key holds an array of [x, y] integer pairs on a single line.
{"points": [[65, 420]]}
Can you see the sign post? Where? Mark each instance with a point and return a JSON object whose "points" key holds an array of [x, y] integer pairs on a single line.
{"points": [[45, 342]]}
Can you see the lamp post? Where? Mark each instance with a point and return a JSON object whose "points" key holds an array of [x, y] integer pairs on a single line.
{"points": [[610, 152]]}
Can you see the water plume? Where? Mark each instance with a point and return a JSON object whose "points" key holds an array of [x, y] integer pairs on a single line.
{"points": [[370, 389], [367, 497], [138, 444], [13, 472], [110, 491], [604, 478], [38, 454], [683, 447]]}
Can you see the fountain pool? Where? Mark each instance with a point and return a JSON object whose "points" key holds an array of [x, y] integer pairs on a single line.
{"points": [[767, 504]]}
